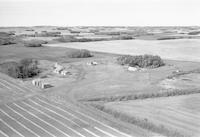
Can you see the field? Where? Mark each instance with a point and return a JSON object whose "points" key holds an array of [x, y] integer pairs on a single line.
{"points": [[36, 115], [39, 117], [19, 91], [158, 114], [176, 113], [104, 99], [183, 49]]}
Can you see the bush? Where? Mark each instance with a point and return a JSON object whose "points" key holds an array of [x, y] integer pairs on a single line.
{"points": [[25, 68], [74, 39], [85, 40], [7, 41], [168, 38], [62, 28], [113, 33], [10, 68], [30, 30], [6, 38], [143, 61], [66, 39], [194, 33], [47, 34], [126, 37], [122, 37], [34, 43], [82, 53]]}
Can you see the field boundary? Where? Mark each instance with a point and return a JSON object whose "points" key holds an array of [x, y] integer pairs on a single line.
{"points": [[143, 96]]}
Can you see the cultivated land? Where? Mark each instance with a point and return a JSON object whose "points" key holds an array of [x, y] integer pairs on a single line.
{"points": [[15, 92], [105, 99], [181, 49], [176, 113]]}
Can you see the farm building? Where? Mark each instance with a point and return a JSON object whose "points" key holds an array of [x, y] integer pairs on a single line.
{"points": [[93, 63], [132, 69], [59, 69], [64, 72], [39, 83]]}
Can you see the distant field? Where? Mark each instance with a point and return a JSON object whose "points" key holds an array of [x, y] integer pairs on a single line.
{"points": [[40, 38], [182, 49], [16, 52], [177, 113]]}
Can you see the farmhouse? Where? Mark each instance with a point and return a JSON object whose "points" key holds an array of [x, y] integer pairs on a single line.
{"points": [[59, 69]]}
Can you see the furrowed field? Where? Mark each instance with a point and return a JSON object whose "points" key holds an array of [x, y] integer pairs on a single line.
{"points": [[181, 114]]}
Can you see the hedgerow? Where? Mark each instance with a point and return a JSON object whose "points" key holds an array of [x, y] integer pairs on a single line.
{"points": [[34, 43], [82, 53], [144, 95]]}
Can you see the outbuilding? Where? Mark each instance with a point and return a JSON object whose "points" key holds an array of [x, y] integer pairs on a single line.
{"points": [[132, 69]]}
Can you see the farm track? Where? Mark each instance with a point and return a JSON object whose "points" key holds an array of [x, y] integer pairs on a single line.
{"points": [[36, 116]]}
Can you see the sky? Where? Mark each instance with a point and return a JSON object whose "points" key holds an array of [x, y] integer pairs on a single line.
{"points": [[100, 12]]}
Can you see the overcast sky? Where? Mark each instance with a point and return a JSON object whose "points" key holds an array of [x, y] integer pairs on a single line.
{"points": [[100, 12]]}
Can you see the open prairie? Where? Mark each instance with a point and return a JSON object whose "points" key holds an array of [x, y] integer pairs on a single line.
{"points": [[181, 49]]}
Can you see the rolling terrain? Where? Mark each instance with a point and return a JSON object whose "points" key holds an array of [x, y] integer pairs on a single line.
{"points": [[148, 102]]}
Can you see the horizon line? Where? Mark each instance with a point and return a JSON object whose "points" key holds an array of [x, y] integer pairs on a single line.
{"points": [[100, 26]]}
